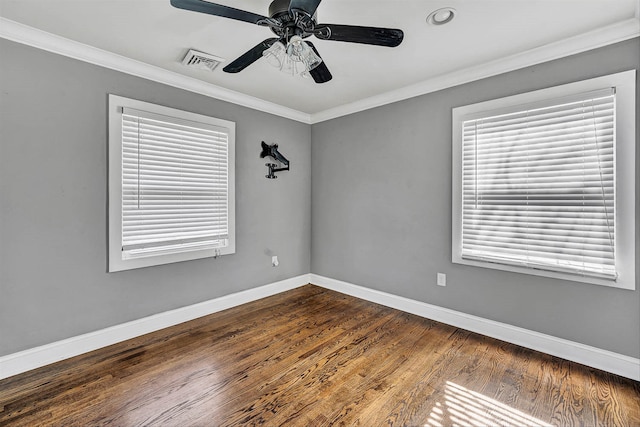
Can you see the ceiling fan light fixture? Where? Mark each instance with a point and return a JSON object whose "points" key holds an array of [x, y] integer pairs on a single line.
{"points": [[296, 58], [441, 16], [291, 67], [302, 52], [275, 54], [312, 60]]}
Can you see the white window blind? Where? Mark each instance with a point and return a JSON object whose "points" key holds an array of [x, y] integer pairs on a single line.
{"points": [[175, 185], [538, 186]]}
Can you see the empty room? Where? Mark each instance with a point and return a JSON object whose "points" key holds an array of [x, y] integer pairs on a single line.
{"points": [[319, 213]]}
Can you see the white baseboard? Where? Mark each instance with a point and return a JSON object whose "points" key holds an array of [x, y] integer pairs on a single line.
{"points": [[27, 360], [619, 364]]}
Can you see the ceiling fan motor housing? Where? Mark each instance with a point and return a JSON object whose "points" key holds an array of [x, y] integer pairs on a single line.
{"points": [[292, 24]]}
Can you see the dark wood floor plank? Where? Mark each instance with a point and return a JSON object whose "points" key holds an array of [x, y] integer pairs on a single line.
{"points": [[314, 357]]}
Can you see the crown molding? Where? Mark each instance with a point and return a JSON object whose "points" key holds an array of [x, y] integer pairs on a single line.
{"points": [[604, 36], [30, 36]]}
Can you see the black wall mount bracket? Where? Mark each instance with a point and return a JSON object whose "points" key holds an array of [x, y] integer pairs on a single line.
{"points": [[272, 151]]}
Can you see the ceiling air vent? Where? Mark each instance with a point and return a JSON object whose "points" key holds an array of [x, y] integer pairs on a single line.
{"points": [[201, 60]]}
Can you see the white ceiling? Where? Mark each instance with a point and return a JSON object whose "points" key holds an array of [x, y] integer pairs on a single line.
{"points": [[484, 31]]}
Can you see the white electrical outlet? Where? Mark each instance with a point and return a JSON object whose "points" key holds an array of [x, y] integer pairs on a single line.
{"points": [[442, 279], [274, 261]]}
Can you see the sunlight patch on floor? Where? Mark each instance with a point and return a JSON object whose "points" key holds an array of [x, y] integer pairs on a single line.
{"points": [[465, 407]]}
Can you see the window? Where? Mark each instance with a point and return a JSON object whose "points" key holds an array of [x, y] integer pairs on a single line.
{"points": [[544, 182], [171, 185]]}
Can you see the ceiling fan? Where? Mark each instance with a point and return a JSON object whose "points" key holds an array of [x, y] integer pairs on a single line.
{"points": [[292, 21]]}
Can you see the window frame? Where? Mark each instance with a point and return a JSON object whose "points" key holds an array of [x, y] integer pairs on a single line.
{"points": [[116, 261], [625, 131]]}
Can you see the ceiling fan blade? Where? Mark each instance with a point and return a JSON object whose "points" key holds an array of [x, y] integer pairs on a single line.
{"points": [[390, 37], [321, 73], [249, 57], [308, 6], [224, 11]]}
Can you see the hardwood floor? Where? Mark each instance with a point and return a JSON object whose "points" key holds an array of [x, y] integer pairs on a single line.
{"points": [[313, 357]]}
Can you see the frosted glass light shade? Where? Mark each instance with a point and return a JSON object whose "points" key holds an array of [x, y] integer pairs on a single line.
{"points": [[309, 58], [275, 54], [296, 58]]}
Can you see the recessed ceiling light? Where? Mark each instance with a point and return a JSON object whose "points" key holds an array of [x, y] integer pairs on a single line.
{"points": [[441, 16]]}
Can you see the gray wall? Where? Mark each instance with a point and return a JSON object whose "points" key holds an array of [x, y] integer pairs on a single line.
{"points": [[381, 209], [53, 182], [380, 189]]}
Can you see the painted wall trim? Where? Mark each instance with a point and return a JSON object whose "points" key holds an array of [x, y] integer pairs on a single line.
{"points": [[23, 361], [605, 360], [30, 36], [36, 357], [604, 36]]}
